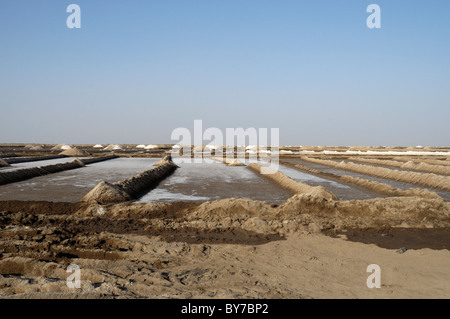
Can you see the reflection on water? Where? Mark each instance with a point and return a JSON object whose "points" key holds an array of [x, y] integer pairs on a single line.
{"points": [[209, 181], [191, 182], [72, 185]]}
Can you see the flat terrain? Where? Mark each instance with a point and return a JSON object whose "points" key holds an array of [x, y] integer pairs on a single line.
{"points": [[228, 232]]}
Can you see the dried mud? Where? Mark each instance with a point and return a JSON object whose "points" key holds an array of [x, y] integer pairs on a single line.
{"points": [[188, 250]]}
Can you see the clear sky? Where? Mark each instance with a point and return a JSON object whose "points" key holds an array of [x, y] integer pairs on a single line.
{"points": [[136, 70]]}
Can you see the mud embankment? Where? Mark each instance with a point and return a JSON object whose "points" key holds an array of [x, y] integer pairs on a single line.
{"points": [[131, 188], [93, 160], [411, 165], [443, 161], [3, 163], [7, 155], [292, 185], [370, 185], [424, 179], [27, 173], [230, 220], [16, 160]]}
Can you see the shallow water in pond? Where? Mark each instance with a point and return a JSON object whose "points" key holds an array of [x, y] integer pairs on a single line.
{"points": [[203, 181], [341, 172], [191, 182], [72, 185], [342, 191]]}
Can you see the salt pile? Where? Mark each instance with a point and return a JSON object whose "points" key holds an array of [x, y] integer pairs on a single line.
{"points": [[74, 152], [62, 147], [113, 147]]}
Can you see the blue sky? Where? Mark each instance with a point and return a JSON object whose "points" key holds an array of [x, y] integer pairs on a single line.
{"points": [[136, 70]]}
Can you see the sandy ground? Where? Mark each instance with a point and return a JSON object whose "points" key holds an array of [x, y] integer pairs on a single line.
{"points": [[306, 248]]}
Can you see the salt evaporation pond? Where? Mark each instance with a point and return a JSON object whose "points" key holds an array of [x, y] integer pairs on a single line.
{"points": [[203, 181], [72, 185], [341, 172], [191, 182], [38, 163], [342, 191]]}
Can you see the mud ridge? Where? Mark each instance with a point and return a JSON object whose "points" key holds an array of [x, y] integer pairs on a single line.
{"points": [[16, 160], [370, 185], [3, 163], [131, 188], [27, 173], [292, 185], [424, 179], [7, 155], [87, 161], [442, 162], [411, 165]]}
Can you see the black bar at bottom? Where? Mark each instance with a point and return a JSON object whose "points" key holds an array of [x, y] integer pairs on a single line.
{"points": [[224, 308]]}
